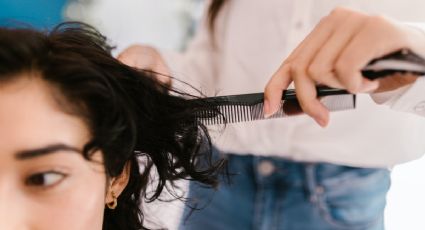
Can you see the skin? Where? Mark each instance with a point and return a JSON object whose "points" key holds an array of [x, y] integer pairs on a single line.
{"points": [[148, 58], [45, 183], [334, 53]]}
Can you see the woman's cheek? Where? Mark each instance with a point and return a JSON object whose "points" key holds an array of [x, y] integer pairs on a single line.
{"points": [[78, 205]]}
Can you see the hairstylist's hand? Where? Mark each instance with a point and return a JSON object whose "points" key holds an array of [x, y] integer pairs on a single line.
{"points": [[334, 53], [146, 57]]}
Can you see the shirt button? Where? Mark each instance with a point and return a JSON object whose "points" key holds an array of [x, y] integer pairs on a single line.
{"points": [[420, 107], [265, 168], [299, 25]]}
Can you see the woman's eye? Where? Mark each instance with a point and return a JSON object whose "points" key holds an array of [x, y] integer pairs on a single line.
{"points": [[45, 179]]}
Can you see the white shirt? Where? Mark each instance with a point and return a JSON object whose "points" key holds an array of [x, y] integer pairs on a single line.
{"points": [[252, 38], [409, 99]]}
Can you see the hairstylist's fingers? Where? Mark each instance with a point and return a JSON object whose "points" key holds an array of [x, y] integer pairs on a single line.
{"points": [[141, 57], [307, 97], [322, 30], [298, 66], [280, 81], [130, 55], [314, 40], [298, 60], [369, 43], [321, 68], [305, 42], [274, 90], [146, 58]]}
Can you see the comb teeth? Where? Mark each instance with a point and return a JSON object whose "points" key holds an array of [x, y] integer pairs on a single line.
{"points": [[249, 107], [244, 112]]}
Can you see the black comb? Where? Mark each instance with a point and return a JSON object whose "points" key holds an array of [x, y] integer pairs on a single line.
{"points": [[249, 107]]}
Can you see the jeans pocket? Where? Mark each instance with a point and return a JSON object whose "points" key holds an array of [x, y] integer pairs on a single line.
{"points": [[355, 199]]}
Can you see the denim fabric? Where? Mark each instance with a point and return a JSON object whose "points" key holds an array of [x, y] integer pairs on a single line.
{"points": [[273, 194]]}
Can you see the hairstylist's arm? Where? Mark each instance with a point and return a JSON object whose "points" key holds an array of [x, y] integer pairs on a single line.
{"points": [[334, 53], [148, 58]]}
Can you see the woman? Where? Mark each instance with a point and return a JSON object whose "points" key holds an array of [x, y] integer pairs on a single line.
{"points": [[74, 125]]}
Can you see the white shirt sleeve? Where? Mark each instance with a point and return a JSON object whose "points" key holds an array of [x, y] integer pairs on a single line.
{"points": [[409, 98]]}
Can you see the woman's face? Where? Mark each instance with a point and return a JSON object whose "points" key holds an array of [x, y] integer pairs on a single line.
{"points": [[45, 183]]}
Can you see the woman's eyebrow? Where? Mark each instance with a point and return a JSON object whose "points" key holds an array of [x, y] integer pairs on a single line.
{"points": [[50, 149]]}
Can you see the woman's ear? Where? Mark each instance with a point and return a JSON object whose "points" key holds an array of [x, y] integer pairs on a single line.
{"points": [[117, 184]]}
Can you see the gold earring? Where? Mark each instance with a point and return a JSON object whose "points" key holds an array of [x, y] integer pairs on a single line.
{"points": [[114, 203]]}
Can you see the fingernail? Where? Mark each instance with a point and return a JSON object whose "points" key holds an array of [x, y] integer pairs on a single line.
{"points": [[321, 122], [266, 110]]}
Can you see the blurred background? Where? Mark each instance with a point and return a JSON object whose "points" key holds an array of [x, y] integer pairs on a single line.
{"points": [[169, 25]]}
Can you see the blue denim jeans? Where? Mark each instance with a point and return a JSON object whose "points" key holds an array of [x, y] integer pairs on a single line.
{"points": [[268, 193]]}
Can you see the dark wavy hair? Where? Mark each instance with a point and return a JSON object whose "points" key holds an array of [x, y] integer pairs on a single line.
{"points": [[130, 115]]}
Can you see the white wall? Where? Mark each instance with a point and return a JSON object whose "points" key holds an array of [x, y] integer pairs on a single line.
{"points": [[162, 23], [406, 199]]}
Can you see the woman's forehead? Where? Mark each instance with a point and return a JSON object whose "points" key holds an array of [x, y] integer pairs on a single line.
{"points": [[30, 117]]}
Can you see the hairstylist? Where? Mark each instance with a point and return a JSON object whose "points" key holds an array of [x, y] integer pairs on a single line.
{"points": [[290, 173], [334, 54]]}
